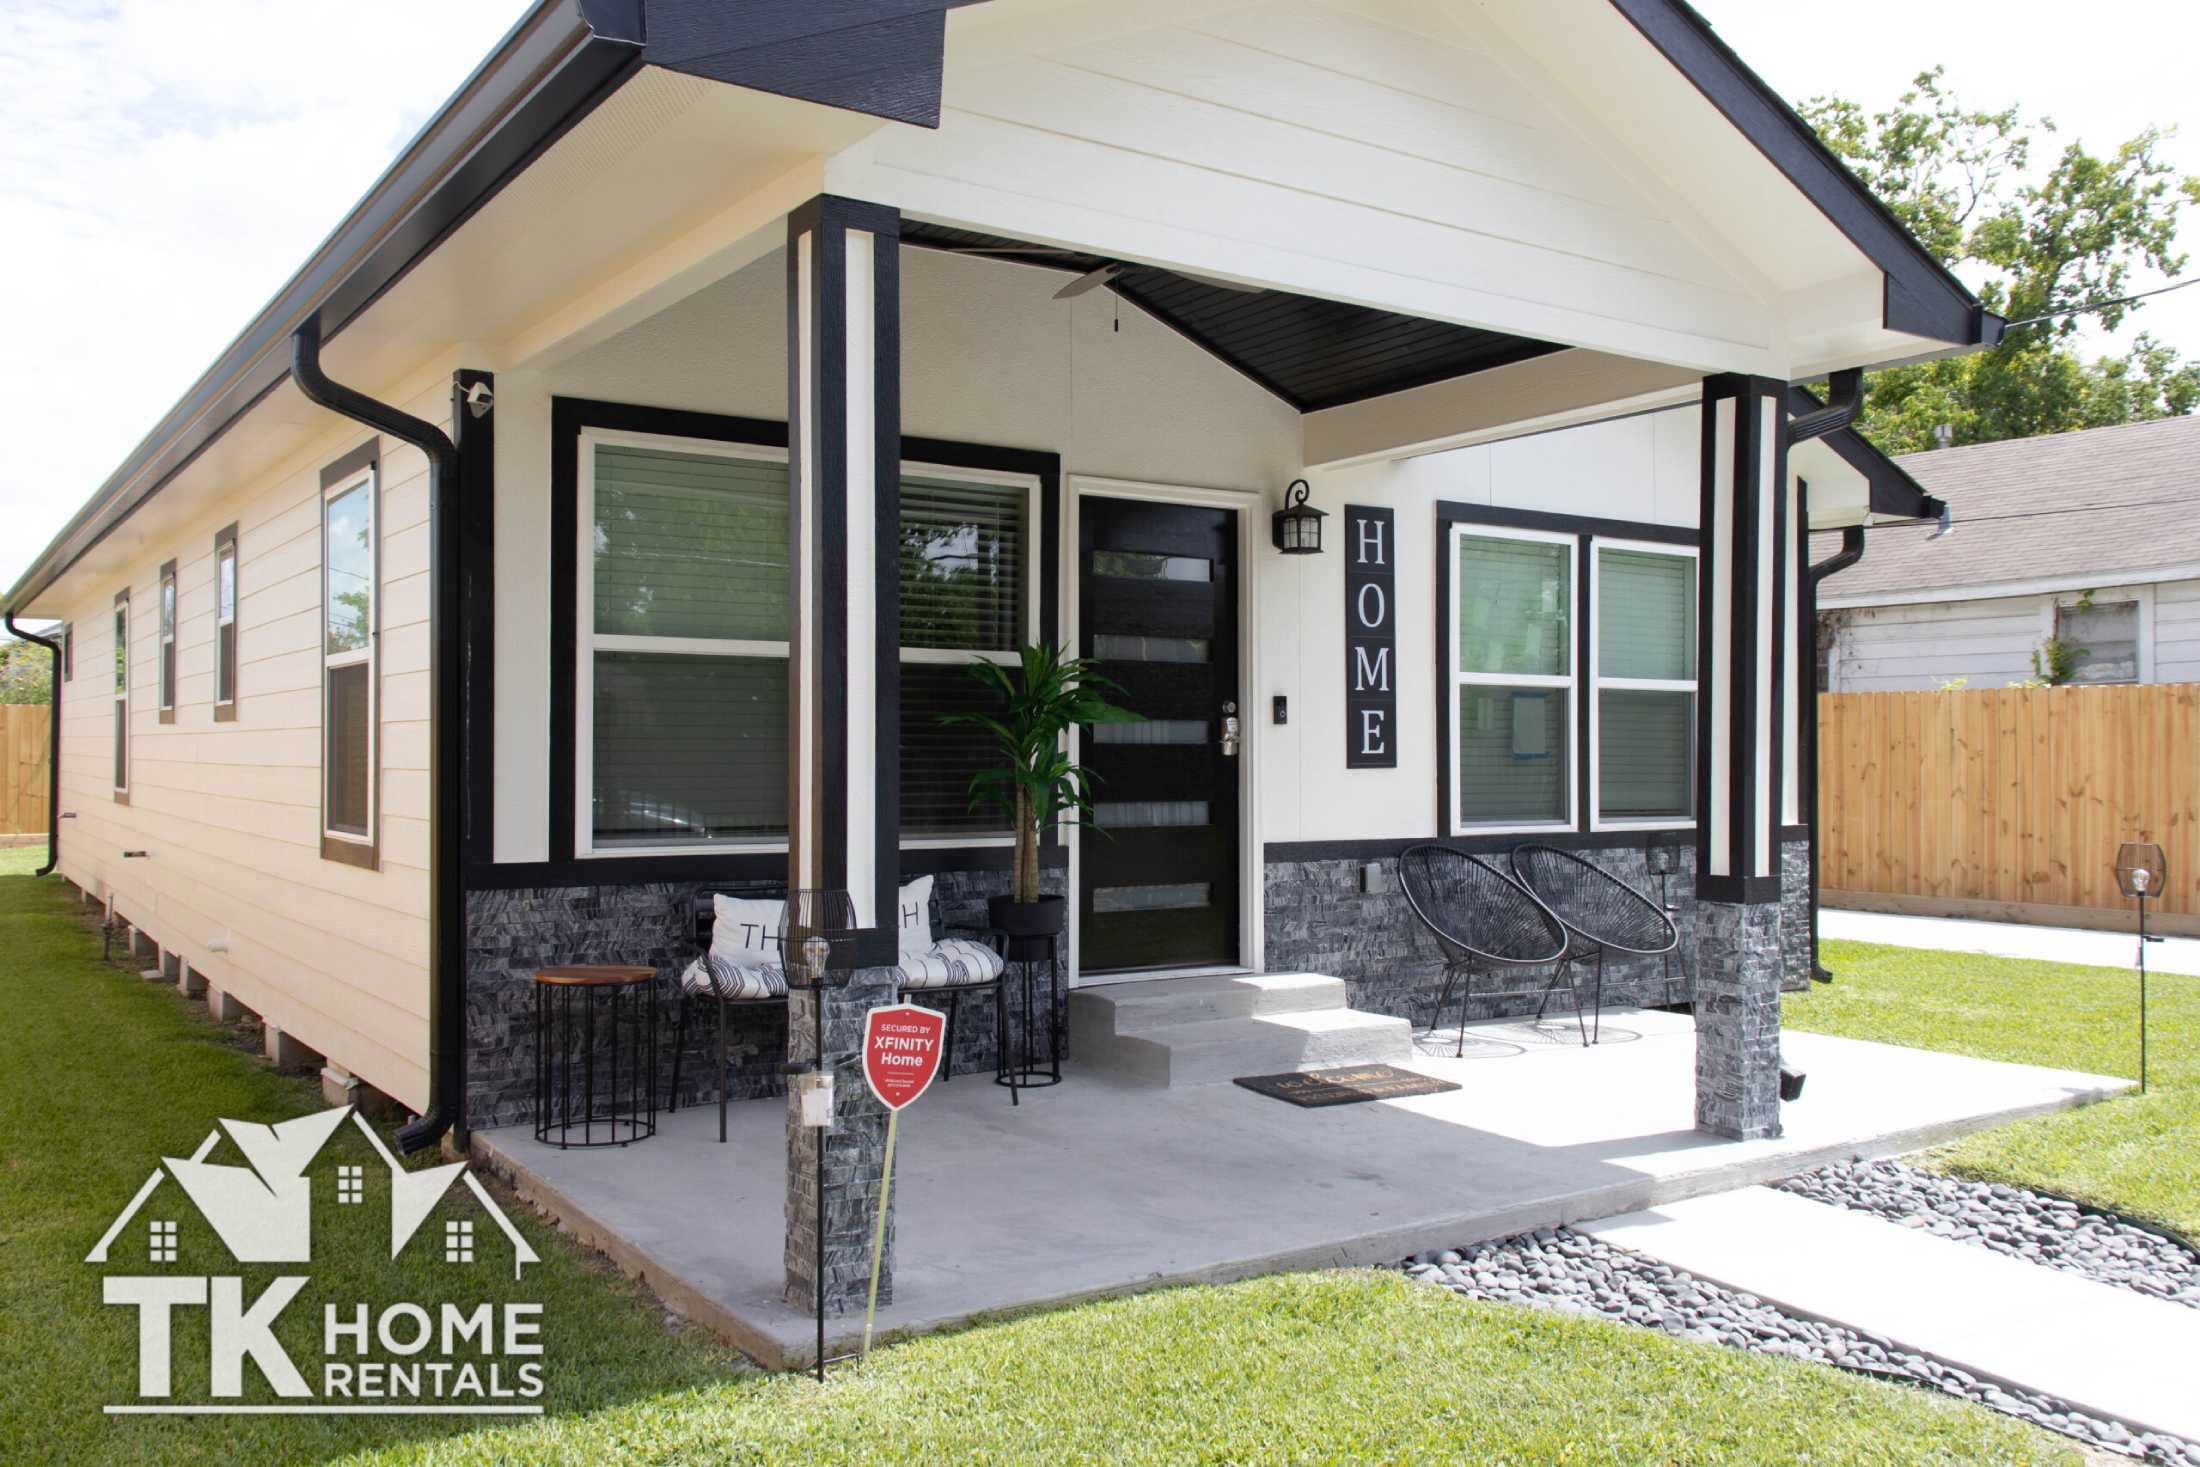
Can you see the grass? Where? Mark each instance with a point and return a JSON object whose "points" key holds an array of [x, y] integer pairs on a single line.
{"points": [[101, 1072], [2134, 1154]]}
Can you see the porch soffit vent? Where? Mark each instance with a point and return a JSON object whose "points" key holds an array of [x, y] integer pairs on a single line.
{"points": [[1312, 354]]}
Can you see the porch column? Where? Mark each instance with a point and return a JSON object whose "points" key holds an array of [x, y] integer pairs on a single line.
{"points": [[844, 699], [1741, 765]]}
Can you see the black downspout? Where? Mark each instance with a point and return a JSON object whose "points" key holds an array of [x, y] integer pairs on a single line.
{"points": [[447, 746], [1852, 551], [53, 750]]}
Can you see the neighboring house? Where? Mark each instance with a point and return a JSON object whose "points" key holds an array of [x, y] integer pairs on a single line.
{"points": [[795, 357], [2074, 560]]}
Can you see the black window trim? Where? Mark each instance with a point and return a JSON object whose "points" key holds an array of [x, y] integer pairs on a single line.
{"points": [[570, 417], [124, 764], [1585, 530]]}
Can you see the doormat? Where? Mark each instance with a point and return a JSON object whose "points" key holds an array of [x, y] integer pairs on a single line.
{"points": [[1345, 1085]]}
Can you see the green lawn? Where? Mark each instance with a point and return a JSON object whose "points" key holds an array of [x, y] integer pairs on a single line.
{"points": [[100, 1072], [2135, 1154]]}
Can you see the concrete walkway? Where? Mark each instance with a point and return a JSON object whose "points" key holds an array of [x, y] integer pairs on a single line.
{"points": [[2107, 1351], [2011, 940]]}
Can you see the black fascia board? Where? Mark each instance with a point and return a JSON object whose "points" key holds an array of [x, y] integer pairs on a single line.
{"points": [[550, 70], [1892, 491], [1922, 297]]}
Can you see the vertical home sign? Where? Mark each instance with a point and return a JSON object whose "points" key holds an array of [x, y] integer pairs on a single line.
{"points": [[1370, 639]]}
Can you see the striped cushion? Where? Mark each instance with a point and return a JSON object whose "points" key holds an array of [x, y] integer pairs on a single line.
{"points": [[712, 976], [950, 963]]}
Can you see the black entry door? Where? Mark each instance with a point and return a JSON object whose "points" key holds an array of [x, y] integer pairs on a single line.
{"points": [[1158, 613]]}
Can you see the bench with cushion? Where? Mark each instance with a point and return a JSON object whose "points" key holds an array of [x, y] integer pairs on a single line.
{"points": [[737, 931]]}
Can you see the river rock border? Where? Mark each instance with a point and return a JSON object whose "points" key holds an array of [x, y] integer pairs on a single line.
{"points": [[2049, 1231], [1569, 1272]]}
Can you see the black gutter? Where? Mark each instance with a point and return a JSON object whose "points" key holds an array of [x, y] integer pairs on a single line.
{"points": [[53, 751], [551, 70], [447, 745], [1843, 402], [1892, 493], [1852, 551]]}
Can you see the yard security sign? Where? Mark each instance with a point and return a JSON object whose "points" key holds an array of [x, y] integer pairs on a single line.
{"points": [[903, 1046]]}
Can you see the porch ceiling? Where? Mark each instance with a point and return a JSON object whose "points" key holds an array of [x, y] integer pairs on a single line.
{"points": [[1311, 353]]}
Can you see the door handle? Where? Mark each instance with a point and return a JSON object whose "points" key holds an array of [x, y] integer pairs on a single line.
{"points": [[1231, 731]]}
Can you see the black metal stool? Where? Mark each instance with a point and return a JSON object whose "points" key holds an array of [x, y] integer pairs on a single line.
{"points": [[1022, 1070], [566, 1004]]}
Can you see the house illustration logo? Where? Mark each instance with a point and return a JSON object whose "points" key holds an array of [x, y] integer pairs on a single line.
{"points": [[451, 1355]]}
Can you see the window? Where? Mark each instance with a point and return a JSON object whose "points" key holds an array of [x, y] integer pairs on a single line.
{"points": [[1643, 722], [168, 643], [122, 697], [1512, 665], [682, 669], [68, 651], [350, 562], [966, 554], [225, 625], [2102, 638]]}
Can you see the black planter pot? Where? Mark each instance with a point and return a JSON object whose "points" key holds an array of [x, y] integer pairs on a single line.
{"points": [[1045, 917]]}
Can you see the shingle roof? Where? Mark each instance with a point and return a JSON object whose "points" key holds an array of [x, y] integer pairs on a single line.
{"points": [[2032, 509]]}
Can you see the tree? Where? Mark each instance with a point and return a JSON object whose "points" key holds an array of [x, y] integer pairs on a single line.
{"points": [[26, 673], [1956, 176]]}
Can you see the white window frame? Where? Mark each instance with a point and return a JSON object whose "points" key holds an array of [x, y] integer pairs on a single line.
{"points": [[121, 695], [1598, 544], [2142, 599], [368, 476], [228, 551], [1569, 682], [587, 642], [955, 657], [165, 671]]}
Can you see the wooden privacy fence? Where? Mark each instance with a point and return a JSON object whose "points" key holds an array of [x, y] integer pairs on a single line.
{"points": [[24, 731], [1969, 803]]}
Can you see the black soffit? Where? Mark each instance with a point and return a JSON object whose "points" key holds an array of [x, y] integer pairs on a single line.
{"points": [[1311, 353]]}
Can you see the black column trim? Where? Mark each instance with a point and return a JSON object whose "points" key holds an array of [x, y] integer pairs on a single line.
{"points": [[476, 440]]}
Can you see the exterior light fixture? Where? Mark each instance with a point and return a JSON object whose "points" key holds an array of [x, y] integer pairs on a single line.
{"points": [[2142, 872], [1299, 524]]}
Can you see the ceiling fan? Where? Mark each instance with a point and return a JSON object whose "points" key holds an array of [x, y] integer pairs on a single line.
{"points": [[1105, 274]]}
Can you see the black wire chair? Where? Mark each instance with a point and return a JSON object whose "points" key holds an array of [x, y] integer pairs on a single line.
{"points": [[1480, 918], [1599, 910]]}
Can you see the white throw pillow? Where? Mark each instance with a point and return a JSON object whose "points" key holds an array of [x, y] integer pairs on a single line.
{"points": [[745, 932], [915, 917]]}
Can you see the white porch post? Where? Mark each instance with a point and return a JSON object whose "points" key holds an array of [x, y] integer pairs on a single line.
{"points": [[1741, 764], [843, 700]]}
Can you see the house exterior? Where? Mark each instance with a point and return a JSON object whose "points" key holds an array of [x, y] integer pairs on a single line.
{"points": [[2073, 566], [602, 515]]}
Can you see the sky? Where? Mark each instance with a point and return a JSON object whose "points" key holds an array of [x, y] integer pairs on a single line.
{"points": [[166, 164]]}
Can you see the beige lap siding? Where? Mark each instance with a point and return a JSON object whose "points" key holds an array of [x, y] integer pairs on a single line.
{"points": [[334, 955]]}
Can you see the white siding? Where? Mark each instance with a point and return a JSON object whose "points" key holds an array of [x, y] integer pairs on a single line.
{"points": [[1641, 469], [230, 812], [1917, 648], [1331, 152], [2177, 632]]}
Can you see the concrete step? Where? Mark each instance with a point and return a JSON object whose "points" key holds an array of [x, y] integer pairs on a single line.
{"points": [[1214, 1051], [1131, 1008]]}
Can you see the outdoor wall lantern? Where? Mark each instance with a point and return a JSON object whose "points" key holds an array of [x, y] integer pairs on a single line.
{"points": [[1299, 524], [2142, 872]]}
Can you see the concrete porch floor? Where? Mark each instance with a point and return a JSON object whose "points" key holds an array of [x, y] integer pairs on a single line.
{"points": [[1104, 1186]]}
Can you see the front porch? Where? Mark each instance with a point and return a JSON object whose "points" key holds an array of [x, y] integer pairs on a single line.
{"points": [[1104, 1185]]}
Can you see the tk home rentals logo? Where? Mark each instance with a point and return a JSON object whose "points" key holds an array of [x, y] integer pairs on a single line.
{"points": [[374, 1356]]}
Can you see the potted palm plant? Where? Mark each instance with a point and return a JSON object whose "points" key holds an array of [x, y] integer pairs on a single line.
{"points": [[1035, 782]]}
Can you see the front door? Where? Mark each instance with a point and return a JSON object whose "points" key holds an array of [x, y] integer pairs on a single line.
{"points": [[1157, 611]]}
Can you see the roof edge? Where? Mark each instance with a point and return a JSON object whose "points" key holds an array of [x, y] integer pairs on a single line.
{"points": [[1923, 297], [550, 70]]}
